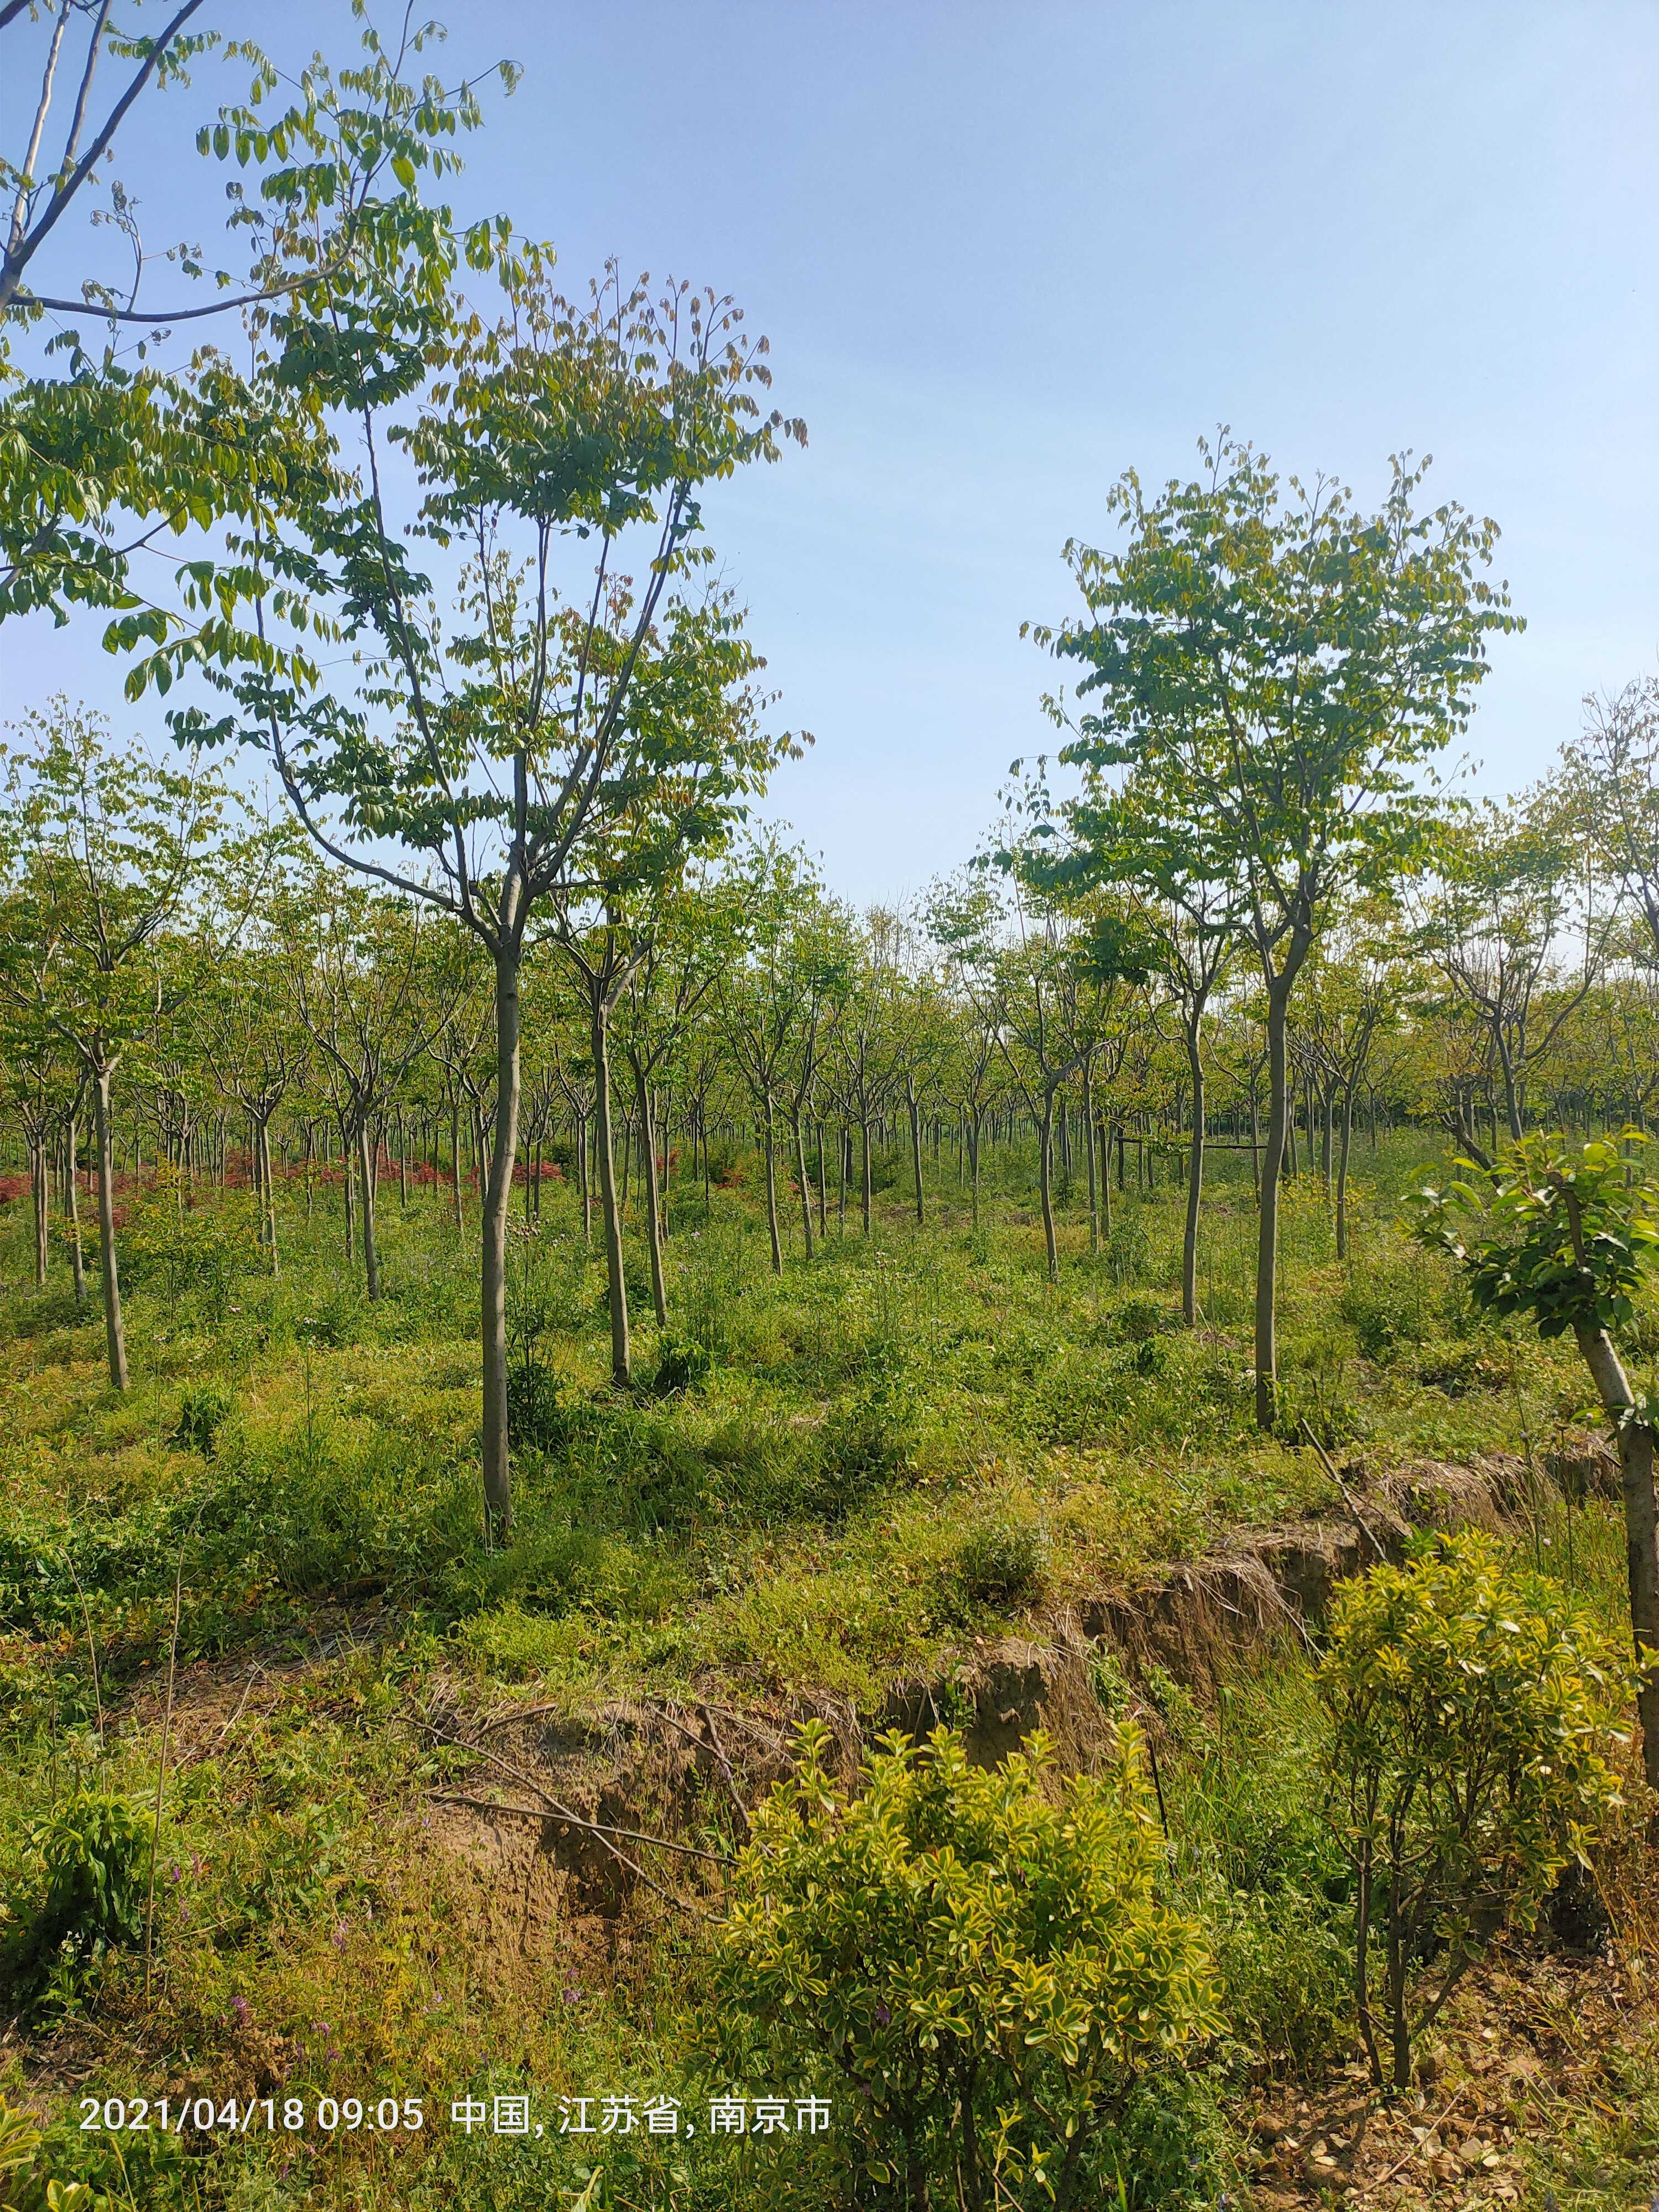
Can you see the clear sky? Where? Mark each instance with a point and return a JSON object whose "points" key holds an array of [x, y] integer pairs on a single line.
{"points": [[1005, 251]]}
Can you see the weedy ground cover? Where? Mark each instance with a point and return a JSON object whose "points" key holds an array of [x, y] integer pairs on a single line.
{"points": [[829, 1481]]}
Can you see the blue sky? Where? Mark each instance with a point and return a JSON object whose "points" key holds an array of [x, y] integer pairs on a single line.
{"points": [[1004, 252]]}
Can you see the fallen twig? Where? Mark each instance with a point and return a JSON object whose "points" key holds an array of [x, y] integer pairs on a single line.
{"points": [[600, 1828], [564, 1812], [1329, 1465], [1365, 2188]]}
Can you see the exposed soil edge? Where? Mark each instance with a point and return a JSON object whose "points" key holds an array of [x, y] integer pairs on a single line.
{"points": [[669, 1770]]}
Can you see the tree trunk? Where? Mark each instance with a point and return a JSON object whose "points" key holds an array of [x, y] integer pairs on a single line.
{"points": [[498, 1192], [264, 1147], [1090, 1147], [915, 1144], [1512, 1094], [864, 1127], [584, 1180], [1195, 1181], [72, 1210], [346, 1191], [455, 1162], [769, 1133], [1046, 1186], [653, 1215], [974, 1127], [1273, 1161], [1344, 1146], [805, 1185], [366, 1184], [621, 1371], [1636, 1443], [41, 1196], [115, 1335]]}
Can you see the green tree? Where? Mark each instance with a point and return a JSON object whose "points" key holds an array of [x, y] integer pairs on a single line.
{"points": [[111, 453], [1275, 669], [548, 749], [1611, 778], [1503, 910], [110, 849], [1475, 1717], [984, 1957], [1559, 1233]]}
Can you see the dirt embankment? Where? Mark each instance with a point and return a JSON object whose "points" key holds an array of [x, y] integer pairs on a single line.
{"points": [[594, 1809]]}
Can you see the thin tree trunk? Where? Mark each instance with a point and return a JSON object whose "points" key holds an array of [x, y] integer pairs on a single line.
{"points": [[621, 1373], [498, 1192], [40, 1195], [1273, 1161], [585, 1181], [1344, 1146], [915, 1144], [1090, 1148], [366, 1172], [1045, 1185], [864, 1127], [350, 1203], [72, 1210], [653, 1217], [1195, 1178], [768, 1134], [115, 1335], [806, 1186], [271, 1193]]}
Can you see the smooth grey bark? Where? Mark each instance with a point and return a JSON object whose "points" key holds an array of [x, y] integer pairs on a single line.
{"points": [[366, 1187], [1344, 1147], [652, 1199], [72, 1215], [115, 1335], [40, 1195], [622, 1366], [805, 1182], [1272, 1162], [498, 1191], [1194, 1175], [913, 1105], [769, 1146], [1046, 1184]]}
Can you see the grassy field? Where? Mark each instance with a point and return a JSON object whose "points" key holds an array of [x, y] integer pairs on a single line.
{"points": [[862, 1473]]}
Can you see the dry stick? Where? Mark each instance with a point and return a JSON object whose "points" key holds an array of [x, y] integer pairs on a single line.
{"points": [[254, 1673], [520, 1713], [1400, 2164], [571, 1819], [594, 1827], [92, 1647], [1365, 1528], [162, 1778], [731, 1790]]}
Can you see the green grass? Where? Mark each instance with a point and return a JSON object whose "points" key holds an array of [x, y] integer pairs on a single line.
{"points": [[877, 1460]]}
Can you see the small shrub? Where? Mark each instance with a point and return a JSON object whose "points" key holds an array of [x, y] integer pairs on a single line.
{"points": [[89, 1860], [862, 1445], [180, 1250], [202, 1415], [999, 1560], [1138, 1320], [986, 1958], [1473, 1716], [681, 1366]]}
